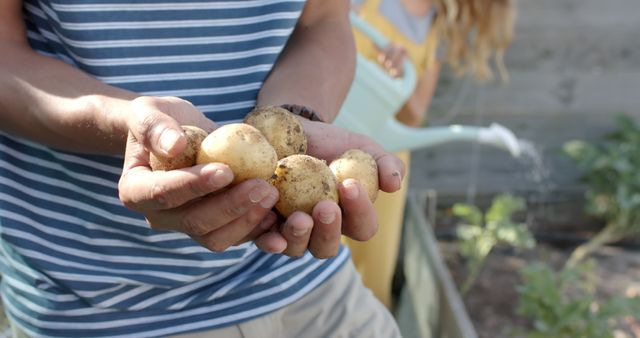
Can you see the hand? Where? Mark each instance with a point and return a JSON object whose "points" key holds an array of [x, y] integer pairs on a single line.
{"points": [[320, 232], [194, 200], [392, 59]]}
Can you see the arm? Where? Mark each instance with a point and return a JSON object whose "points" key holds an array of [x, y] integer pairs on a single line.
{"points": [[413, 111], [50, 102], [316, 68], [46, 100], [53, 103]]}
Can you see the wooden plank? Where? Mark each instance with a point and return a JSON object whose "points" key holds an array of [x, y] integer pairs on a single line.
{"points": [[436, 302], [568, 13], [543, 94]]}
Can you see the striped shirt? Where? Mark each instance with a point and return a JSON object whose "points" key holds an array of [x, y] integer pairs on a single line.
{"points": [[74, 261]]}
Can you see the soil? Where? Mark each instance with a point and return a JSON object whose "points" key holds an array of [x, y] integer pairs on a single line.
{"points": [[493, 300]]}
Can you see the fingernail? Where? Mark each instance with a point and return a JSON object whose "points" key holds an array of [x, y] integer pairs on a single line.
{"points": [[168, 140], [268, 221], [299, 231], [351, 190], [220, 178], [240, 210], [275, 249], [398, 177], [257, 194], [269, 201], [327, 217]]}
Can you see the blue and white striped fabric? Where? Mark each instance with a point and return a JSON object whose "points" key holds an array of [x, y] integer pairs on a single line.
{"points": [[74, 261]]}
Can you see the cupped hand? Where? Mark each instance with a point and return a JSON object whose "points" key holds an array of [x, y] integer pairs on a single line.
{"points": [[355, 217], [196, 200]]}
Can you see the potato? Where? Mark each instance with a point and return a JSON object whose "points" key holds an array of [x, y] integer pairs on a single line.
{"points": [[185, 159], [302, 182], [358, 165], [243, 148], [281, 128]]}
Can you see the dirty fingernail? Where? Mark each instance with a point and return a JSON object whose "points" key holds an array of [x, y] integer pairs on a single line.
{"points": [[398, 178]]}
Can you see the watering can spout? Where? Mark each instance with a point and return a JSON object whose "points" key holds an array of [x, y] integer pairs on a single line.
{"points": [[501, 137], [397, 137]]}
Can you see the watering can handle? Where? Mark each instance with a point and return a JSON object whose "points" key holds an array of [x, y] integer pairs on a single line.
{"points": [[382, 95], [409, 78]]}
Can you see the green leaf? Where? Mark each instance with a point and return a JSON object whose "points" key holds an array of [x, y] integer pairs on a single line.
{"points": [[611, 172], [503, 207], [516, 235], [578, 150], [560, 303], [468, 212]]}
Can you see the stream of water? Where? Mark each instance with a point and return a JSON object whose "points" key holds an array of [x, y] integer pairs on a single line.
{"points": [[537, 175]]}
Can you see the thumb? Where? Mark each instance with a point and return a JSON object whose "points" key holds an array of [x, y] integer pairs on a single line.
{"points": [[156, 131]]}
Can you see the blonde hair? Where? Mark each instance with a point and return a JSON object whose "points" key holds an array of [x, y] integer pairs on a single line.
{"points": [[473, 32]]}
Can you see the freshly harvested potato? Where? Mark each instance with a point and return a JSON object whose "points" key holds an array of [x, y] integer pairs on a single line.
{"points": [[358, 165], [302, 182], [243, 148], [187, 158], [281, 128]]}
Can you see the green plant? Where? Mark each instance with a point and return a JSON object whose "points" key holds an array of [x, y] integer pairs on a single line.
{"points": [[562, 304], [611, 171], [482, 232]]}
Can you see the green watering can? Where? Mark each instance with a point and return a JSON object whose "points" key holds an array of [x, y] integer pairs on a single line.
{"points": [[375, 97]]}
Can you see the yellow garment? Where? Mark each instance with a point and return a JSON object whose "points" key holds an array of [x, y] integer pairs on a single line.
{"points": [[376, 258], [422, 54]]}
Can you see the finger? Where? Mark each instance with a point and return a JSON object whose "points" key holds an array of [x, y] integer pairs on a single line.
{"points": [[221, 239], [134, 154], [360, 220], [296, 231], [142, 189], [386, 56], [155, 130], [214, 211], [388, 64], [381, 58], [184, 112], [326, 233], [391, 172], [327, 142], [393, 72], [271, 241], [383, 53], [391, 169], [397, 57], [268, 222]]}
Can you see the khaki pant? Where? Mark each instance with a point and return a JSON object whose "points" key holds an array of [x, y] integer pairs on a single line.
{"points": [[341, 307]]}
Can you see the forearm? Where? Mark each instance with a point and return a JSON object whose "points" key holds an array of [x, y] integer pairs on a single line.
{"points": [[50, 102], [414, 110], [316, 68]]}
